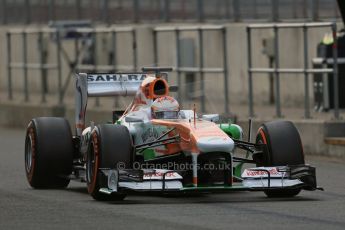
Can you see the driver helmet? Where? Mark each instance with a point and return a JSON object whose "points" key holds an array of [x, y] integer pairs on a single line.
{"points": [[165, 107]]}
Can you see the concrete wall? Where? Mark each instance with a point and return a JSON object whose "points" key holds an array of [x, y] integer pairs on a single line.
{"points": [[291, 55]]}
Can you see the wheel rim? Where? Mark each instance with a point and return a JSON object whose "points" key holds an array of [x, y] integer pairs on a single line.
{"points": [[90, 164], [28, 154]]}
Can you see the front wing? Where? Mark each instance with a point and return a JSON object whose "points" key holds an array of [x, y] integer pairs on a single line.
{"points": [[167, 181]]}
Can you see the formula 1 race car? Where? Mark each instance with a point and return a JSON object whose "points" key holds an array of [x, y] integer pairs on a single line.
{"points": [[154, 146]]}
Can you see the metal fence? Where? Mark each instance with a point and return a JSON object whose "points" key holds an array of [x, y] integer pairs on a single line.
{"points": [[82, 34], [74, 63], [306, 71], [202, 69], [124, 11]]}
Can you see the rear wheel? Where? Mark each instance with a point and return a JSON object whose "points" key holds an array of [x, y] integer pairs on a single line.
{"points": [[48, 152], [284, 147], [111, 146]]}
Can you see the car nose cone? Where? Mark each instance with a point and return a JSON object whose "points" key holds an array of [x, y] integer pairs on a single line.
{"points": [[215, 144]]}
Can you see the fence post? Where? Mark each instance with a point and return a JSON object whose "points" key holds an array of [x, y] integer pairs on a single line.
{"points": [[40, 43], [166, 11], [305, 8], [95, 63], [225, 67], [104, 11], [275, 10], [200, 10], [78, 6], [51, 10], [255, 5], [306, 74], [59, 71], [155, 48], [135, 50], [178, 63], [315, 10], [113, 38], [4, 12], [250, 74], [201, 63], [25, 69], [237, 10], [335, 71], [136, 10], [276, 67], [9, 69], [227, 9], [27, 12], [336, 9], [294, 9]]}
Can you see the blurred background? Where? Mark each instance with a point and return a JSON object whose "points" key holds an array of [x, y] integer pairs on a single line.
{"points": [[261, 59]]}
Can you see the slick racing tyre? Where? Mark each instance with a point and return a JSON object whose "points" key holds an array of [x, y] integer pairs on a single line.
{"points": [[110, 146], [48, 152], [284, 147]]}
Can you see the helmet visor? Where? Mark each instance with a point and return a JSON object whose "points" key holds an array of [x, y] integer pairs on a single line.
{"points": [[166, 115]]}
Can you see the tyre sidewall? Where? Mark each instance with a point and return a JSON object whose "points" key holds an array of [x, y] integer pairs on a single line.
{"points": [[52, 152], [283, 143], [110, 144], [283, 146]]}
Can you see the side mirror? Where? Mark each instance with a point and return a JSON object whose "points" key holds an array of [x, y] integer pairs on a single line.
{"points": [[211, 117], [133, 119]]}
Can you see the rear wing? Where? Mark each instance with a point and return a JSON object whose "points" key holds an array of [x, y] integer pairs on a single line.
{"points": [[100, 85], [122, 84]]}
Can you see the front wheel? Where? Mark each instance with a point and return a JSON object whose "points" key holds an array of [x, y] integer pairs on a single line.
{"points": [[110, 146], [283, 147]]}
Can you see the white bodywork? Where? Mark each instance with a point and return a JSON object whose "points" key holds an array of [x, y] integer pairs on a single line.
{"points": [[152, 180], [138, 121], [217, 144], [99, 85], [258, 178]]}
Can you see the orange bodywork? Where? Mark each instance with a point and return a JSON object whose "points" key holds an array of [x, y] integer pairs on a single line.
{"points": [[190, 133], [146, 93], [148, 88]]}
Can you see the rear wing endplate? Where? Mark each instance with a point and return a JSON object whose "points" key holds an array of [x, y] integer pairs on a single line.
{"points": [[100, 85]]}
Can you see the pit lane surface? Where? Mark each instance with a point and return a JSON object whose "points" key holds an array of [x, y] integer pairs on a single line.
{"points": [[24, 208]]}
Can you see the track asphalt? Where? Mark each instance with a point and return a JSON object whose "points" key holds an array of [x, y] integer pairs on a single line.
{"points": [[22, 207]]}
